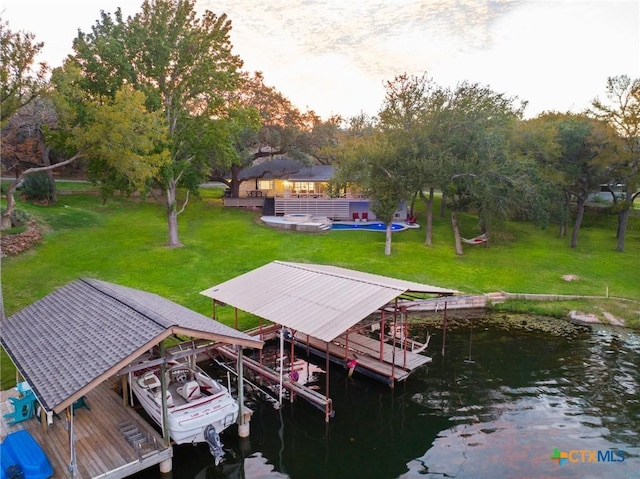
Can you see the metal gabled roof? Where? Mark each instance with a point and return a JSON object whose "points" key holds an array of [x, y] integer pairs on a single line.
{"points": [[79, 335], [319, 300]]}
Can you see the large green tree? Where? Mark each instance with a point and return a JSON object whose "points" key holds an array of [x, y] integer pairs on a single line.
{"points": [[22, 81], [21, 78], [477, 166], [621, 110], [184, 65], [408, 115], [369, 157], [572, 152]]}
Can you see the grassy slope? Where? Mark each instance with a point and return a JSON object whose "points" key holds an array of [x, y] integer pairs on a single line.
{"points": [[123, 242]]}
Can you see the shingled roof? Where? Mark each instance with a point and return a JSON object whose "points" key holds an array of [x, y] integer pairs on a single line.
{"points": [[73, 339], [287, 169]]}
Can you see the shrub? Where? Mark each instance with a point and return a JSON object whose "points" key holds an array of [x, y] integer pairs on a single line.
{"points": [[37, 187]]}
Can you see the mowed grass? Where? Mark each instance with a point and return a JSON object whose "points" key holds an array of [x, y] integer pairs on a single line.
{"points": [[123, 241]]}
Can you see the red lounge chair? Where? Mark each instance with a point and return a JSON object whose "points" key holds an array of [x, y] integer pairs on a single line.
{"points": [[365, 216], [356, 216]]}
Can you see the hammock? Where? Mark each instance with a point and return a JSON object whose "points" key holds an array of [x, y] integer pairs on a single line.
{"points": [[477, 240]]}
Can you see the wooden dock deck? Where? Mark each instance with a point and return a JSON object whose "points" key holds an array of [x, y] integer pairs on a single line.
{"points": [[102, 448], [395, 364]]}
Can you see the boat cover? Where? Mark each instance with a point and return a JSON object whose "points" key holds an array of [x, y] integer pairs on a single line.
{"points": [[21, 449]]}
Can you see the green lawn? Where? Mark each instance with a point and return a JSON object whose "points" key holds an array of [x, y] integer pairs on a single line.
{"points": [[123, 241]]}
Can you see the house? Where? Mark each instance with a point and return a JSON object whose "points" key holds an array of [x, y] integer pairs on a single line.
{"points": [[284, 187], [604, 193]]}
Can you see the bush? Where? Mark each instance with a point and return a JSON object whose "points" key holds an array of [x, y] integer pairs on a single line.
{"points": [[37, 187]]}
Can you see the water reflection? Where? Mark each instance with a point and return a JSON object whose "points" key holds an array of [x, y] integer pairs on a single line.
{"points": [[499, 415]]}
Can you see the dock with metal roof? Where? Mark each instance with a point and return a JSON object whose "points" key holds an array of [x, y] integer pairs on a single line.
{"points": [[321, 308]]}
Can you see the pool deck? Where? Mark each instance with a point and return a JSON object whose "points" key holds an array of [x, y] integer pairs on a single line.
{"points": [[320, 224], [313, 225]]}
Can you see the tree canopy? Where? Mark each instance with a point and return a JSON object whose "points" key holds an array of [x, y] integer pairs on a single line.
{"points": [[21, 78], [621, 110], [184, 65]]}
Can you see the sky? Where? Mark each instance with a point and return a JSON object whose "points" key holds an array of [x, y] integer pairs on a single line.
{"points": [[334, 56]]}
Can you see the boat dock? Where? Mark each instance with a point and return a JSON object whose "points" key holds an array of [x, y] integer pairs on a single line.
{"points": [[325, 310], [377, 359], [295, 388], [111, 440]]}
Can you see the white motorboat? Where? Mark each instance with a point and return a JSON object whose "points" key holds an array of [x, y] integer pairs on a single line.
{"points": [[198, 407]]}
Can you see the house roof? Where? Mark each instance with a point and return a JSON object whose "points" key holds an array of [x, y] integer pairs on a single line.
{"points": [[287, 169], [319, 300], [313, 173], [73, 339]]}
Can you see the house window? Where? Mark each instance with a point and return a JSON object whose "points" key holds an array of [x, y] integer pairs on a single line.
{"points": [[266, 185], [303, 186]]}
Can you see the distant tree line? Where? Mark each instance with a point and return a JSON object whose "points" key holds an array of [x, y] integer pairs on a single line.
{"points": [[158, 103]]}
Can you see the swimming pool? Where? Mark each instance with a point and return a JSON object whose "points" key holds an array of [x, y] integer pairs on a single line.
{"points": [[373, 226]]}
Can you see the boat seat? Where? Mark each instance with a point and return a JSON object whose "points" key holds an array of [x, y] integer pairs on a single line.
{"points": [[157, 396], [149, 380], [190, 391]]}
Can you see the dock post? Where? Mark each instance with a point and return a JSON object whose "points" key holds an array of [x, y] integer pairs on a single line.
{"points": [[326, 409], [244, 422], [243, 415], [166, 466], [444, 328]]}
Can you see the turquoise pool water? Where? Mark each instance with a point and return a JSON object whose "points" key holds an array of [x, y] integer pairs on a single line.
{"points": [[373, 226]]}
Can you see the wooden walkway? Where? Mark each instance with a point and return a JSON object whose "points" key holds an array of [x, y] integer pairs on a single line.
{"points": [[101, 444]]}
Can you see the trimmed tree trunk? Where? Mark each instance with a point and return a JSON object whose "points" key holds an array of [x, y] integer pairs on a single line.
{"points": [[456, 232], [443, 204], [11, 206], [387, 243], [52, 181], [576, 226], [429, 204], [623, 218], [172, 215]]}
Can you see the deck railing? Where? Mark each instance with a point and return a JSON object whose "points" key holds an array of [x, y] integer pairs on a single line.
{"points": [[334, 208], [316, 205]]}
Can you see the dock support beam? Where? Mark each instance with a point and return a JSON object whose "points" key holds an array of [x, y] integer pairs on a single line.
{"points": [[243, 416], [166, 465], [444, 329], [327, 412]]}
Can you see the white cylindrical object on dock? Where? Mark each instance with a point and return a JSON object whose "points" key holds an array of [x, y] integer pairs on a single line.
{"points": [[166, 466]]}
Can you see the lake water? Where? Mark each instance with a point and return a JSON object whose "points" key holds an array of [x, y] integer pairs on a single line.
{"points": [[499, 404]]}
